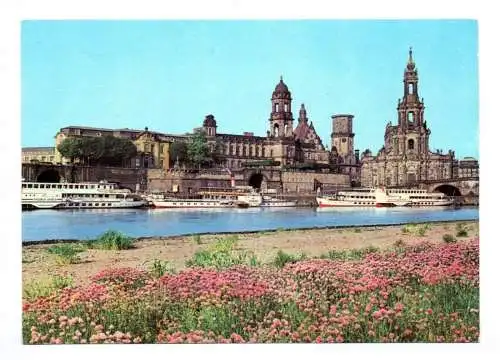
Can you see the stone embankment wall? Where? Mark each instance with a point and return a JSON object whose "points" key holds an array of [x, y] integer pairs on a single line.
{"points": [[303, 182], [289, 182]]}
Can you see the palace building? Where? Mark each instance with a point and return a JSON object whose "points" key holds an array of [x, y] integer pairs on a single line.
{"points": [[283, 142], [405, 157]]}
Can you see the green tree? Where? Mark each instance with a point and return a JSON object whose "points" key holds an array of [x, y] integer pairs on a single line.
{"points": [[71, 148], [197, 149], [178, 150], [107, 150]]}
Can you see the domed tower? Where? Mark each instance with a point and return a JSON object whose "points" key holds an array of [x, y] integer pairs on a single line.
{"points": [[281, 120], [210, 125]]}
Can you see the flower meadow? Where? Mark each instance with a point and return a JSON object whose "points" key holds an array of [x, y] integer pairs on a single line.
{"points": [[418, 293]]}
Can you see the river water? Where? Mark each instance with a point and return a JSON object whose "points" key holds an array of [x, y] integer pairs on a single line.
{"points": [[87, 224]]}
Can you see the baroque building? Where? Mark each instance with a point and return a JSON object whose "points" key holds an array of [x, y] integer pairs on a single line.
{"points": [[405, 157], [283, 143]]}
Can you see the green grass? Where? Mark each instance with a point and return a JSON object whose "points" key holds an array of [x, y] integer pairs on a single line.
{"points": [[197, 239], [36, 288], [448, 238], [222, 254], [111, 240], [352, 254], [462, 230], [415, 229], [66, 253], [158, 268], [282, 258]]}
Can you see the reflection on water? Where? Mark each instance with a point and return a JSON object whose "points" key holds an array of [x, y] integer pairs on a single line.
{"points": [[88, 223]]}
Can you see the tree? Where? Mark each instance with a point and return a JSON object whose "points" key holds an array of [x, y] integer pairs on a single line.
{"points": [[107, 150], [178, 150], [71, 148], [197, 149]]}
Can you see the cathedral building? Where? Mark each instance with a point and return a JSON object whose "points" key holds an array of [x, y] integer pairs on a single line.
{"points": [[405, 157]]}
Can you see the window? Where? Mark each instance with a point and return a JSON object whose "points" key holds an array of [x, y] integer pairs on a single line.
{"points": [[411, 144], [286, 107], [410, 88], [161, 148], [276, 130], [276, 107], [410, 117], [344, 140]]}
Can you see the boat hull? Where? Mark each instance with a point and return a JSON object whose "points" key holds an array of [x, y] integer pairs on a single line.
{"points": [[279, 204], [171, 204]]}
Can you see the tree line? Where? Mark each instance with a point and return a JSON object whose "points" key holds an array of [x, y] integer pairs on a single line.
{"points": [[113, 151]]}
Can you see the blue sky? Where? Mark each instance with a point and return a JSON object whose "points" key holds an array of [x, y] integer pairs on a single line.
{"points": [[167, 75]]}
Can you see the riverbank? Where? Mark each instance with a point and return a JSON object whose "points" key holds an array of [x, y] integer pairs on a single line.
{"points": [[38, 262]]}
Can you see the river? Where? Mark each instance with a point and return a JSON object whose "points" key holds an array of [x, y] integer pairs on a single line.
{"points": [[87, 224]]}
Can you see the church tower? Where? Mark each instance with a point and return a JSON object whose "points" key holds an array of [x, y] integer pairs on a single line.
{"points": [[281, 120], [412, 137]]}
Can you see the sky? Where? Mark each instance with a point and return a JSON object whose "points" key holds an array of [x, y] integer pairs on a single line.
{"points": [[168, 75]]}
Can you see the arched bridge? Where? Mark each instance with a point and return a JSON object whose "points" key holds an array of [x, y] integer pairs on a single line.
{"points": [[126, 177], [453, 187]]}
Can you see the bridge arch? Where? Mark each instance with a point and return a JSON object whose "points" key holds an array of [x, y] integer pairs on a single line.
{"points": [[257, 180], [448, 189], [50, 175]]}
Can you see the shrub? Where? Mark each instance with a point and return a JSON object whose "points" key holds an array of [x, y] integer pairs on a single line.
{"points": [[399, 243], [462, 230], [448, 238], [66, 253], [158, 268], [222, 254], [112, 240], [408, 228], [46, 287], [357, 230], [197, 239], [282, 258], [422, 229]]}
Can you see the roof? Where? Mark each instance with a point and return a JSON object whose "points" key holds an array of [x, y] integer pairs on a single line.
{"points": [[38, 148]]}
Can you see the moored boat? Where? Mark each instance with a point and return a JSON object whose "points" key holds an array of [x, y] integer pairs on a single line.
{"points": [[77, 196], [381, 197], [242, 197], [268, 201]]}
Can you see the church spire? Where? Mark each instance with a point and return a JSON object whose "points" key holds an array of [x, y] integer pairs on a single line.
{"points": [[302, 114], [411, 63]]}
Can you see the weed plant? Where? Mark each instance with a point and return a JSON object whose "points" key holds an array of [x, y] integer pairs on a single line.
{"points": [[112, 240], [66, 253]]}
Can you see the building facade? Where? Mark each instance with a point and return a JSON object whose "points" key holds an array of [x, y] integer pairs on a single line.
{"points": [[46, 154], [283, 143], [152, 147], [405, 157]]}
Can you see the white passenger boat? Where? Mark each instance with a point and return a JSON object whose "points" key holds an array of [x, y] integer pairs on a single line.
{"points": [[77, 196], [212, 198], [381, 197], [269, 201]]}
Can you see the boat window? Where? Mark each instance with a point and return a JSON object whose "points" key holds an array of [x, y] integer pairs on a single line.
{"points": [[84, 204], [109, 204]]}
